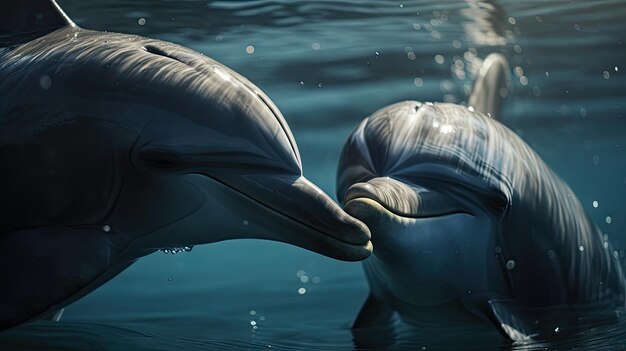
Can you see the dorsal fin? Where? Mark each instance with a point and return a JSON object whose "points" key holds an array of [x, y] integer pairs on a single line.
{"points": [[25, 20], [492, 86]]}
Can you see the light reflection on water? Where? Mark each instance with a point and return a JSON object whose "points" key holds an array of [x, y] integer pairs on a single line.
{"points": [[328, 64]]}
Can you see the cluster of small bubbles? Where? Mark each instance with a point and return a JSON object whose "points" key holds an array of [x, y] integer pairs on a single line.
{"points": [[608, 219], [510, 264], [250, 49], [106, 228], [141, 21], [176, 250], [315, 46], [301, 291], [595, 204], [606, 74]]}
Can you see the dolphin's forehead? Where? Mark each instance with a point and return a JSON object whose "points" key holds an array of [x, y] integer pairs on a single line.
{"points": [[412, 140], [164, 78]]}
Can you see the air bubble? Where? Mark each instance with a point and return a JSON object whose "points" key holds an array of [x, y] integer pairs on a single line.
{"points": [[510, 264]]}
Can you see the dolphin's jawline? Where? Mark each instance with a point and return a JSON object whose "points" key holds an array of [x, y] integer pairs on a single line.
{"points": [[386, 208], [291, 219]]}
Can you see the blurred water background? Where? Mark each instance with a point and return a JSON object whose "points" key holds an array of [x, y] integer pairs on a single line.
{"points": [[327, 65]]}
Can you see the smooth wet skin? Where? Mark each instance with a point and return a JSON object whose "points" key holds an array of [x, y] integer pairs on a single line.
{"points": [[469, 225], [114, 146]]}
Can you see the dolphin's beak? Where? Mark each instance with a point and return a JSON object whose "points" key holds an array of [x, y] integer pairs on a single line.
{"points": [[305, 216]]}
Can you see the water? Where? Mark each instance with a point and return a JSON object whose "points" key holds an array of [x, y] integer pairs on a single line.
{"points": [[327, 65]]}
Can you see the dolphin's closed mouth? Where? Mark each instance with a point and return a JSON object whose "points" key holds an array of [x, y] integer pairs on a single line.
{"points": [[403, 199]]}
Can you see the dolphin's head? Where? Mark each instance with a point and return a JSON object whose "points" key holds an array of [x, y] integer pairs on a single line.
{"points": [[425, 178], [222, 143]]}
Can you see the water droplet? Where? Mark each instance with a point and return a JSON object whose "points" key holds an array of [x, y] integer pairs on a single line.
{"points": [[551, 254], [45, 82], [411, 56], [595, 204], [440, 59], [606, 244], [512, 20], [317, 280], [497, 249], [608, 219], [252, 312], [315, 46], [245, 222], [577, 27], [106, 228], [470, 108], [304, 279], [596, 160], [250, 49], [252, 322], [523, 80], [300, 273], [141, 21], [556, 330], [319, 85], [262, 318], [583, 112], [418, 82], [616, 69], [510, 264], [581, 248], [302, 291], [301, 83]]}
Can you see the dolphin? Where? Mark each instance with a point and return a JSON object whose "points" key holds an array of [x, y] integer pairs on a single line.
{"points": [[114, 146], [469, 225]]}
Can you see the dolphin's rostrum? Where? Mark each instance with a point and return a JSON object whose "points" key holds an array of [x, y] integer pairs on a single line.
{"points": [[113, 146]]}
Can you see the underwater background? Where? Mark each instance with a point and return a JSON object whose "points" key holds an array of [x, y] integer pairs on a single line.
{"points": [[327, 65]]}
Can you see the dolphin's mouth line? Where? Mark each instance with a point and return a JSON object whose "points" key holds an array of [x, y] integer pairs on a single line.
{"points": [[351, 244], [404, 215]]}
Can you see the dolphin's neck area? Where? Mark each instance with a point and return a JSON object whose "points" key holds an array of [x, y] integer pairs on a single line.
{"points": [[25, 20]]}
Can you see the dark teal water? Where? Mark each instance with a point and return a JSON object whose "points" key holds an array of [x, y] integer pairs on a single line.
{"points": [[327, 65]]}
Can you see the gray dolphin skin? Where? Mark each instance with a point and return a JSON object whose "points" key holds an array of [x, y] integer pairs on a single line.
{"points": [[114, 146], [469, 225]]}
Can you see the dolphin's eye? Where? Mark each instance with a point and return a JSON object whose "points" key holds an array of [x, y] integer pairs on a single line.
{"points": [[161, 159]]}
